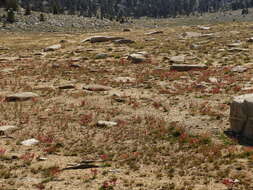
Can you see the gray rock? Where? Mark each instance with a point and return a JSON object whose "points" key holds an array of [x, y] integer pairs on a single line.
{"points": [[66, 86], [96, 39], [213, 79], [185, 67], [239, 69], [237, 49], [125, 79], [178, 59], [30, 142], [237, 44], [137, 58], [97, 87], [124, 41], [21, 96], [191, 34], [7, 128], [101, 56], [53, 47], [154, 32], [250, 40], [106, 123], [241, 114]]}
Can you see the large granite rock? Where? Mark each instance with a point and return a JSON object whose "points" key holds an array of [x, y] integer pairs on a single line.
{"points": [[241, 116]]}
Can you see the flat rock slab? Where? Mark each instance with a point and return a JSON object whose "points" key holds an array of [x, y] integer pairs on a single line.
{"points": [[178, 59], [30, 142], [124, 41], [106, 123], [101, 56], [204, 27], [125, 79], [97, 87], [53, 47], [95, 39], [154, 32], [192, 34], [7, 128], [21, 96], [66, 86], [239, 69], [235, 45], [185, 67]]}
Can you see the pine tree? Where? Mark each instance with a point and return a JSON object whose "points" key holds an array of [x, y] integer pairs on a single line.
{"points": [[28, 10], [12, 4], [10, 16], [42, 18]]}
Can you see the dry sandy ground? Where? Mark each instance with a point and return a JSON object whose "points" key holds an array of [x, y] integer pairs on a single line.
{"points": [[168, 125]]}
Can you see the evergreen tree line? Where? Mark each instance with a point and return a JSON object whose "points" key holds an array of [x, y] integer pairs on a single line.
{"points": [[118, 9]]}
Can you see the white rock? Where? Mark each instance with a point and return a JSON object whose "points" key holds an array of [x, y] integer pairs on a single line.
{"points": [[192, 34], [237, 44], [125, 79], [178, 59], [213, 79], [21, 96], [7, 128], [106, 123], [97, 87], [53, 47], [30, 142], [154, 32], [204, 28], [137, 58], [239, 69]]}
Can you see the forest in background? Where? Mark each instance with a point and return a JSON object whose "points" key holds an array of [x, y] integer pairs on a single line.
{"points": [[112, 9]]}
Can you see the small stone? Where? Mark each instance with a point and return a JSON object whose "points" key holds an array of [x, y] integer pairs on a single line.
{"points": [[191, 34], [97, 87], [126, 30], [21, 96], [106, 123], [204, 28], [96, 39], [125, 79], [67, 86], [7, 128], [75, 65], [178, 59], [137, 58], [154, 32], [239, 69], [237, 44], [250, 40], [124, 41], [237, 49], [4, 48], [184, 67], [53, 47], [213, 79], [30, 142], [43, 87], [101, 56]]}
